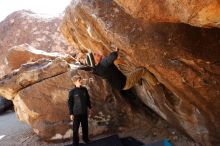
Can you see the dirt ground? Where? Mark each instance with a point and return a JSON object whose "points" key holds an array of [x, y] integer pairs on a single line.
{"points": [[16, 133]]}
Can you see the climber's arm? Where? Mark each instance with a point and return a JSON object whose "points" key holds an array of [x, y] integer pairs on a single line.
{"points": [[110, 58]]}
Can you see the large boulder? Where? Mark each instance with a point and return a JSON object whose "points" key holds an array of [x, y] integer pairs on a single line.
{"points": [[29, 74], [204, 13], [27, 27], [183, 58]]}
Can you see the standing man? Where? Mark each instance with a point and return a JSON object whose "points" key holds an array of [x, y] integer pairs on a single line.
{"points": [[79, 108]]}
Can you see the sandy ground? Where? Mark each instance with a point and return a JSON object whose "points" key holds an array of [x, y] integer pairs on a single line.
{"points": [[15, 133]]}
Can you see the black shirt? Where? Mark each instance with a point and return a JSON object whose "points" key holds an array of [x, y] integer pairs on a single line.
{"points": [[79, 101], [107, 70]]}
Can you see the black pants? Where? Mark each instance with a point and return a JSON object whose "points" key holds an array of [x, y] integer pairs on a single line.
{"points": [[83, 119]]}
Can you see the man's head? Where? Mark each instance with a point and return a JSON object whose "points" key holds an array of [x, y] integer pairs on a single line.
{"points": [[98, 57], [77, 81]]}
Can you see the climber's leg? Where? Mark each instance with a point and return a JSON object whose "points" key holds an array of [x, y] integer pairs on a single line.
{"points": [[150, 78], [136, 75], [90, 59]]}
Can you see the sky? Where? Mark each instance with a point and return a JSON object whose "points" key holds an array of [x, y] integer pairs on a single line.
{"points": [[47, 7]]}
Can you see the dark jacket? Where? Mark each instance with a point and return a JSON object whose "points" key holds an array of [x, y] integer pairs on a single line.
{"points": [[79, 101], [107, 70]]}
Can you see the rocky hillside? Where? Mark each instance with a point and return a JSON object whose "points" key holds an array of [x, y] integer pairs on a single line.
{"points": [[27, 27], [183, 58]]}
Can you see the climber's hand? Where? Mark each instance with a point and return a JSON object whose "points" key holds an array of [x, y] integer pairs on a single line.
{"points": [[71, 117], [116, 49]]}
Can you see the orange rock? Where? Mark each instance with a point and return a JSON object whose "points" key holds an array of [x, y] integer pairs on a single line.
{"points": [[29, 74], [202, 13], [183, 58]]}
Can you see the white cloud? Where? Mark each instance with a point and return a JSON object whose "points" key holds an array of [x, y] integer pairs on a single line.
{"points": [[49, 7]]}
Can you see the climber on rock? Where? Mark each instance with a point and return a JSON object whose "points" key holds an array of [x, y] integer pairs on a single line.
{"points": [[105, 67], [79, 109]]}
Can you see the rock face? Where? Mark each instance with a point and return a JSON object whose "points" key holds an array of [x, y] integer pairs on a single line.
{"points": [[29, 74], [184, 59], [204, 13], [26, 27]]}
